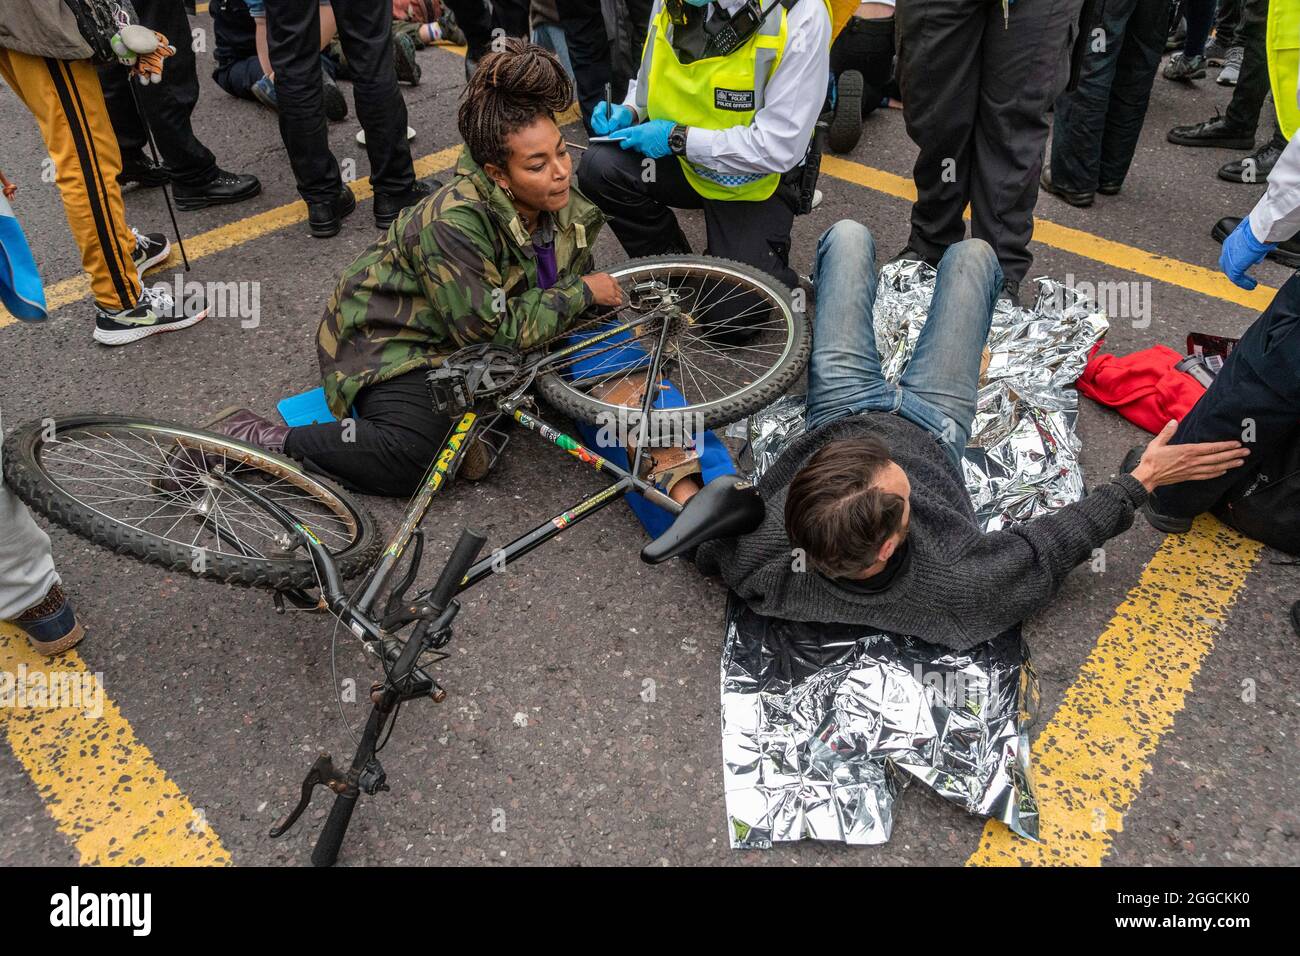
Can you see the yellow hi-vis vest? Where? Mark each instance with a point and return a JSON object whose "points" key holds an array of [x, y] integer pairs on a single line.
{"points": [[717, 92], [1283, 42]]}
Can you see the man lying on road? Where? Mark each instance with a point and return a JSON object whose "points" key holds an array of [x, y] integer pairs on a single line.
{"points": [[868, 519]]}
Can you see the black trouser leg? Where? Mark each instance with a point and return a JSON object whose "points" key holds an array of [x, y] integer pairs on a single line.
{"points": [[755, 233], [1256, 395], [511, 16], [1130, 94], [1079, 119], [293, 41], [939, 74], [1253, 83], [868, 47], [637, 26], [640, 212], [167, 105], [584, 32], [366, 34], [475, 20], [1024, 68], [387, 448], [1225, 22]]}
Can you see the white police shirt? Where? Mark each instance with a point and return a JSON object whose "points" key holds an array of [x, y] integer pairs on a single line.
{"points": [[777, 138]]}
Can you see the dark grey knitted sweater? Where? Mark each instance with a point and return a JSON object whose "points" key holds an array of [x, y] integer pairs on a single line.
{"points": [[960, 587]]}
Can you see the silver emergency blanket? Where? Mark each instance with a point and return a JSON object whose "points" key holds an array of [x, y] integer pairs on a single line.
{"points": [[823, 725]]}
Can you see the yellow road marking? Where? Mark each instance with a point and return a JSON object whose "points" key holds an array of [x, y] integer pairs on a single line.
{"points": [[236, 233], [98, 781], [1129, 258], [1089, 759]]}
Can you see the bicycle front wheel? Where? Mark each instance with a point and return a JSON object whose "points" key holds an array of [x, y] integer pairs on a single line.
{"points": [[734, 344], [153, 490]]}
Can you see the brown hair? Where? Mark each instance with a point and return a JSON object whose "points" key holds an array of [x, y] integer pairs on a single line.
{"points": [[833, 513], [512, 87]]}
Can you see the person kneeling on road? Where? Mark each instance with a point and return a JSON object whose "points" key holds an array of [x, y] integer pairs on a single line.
{"points": [[714, 124], [868, 519], [501, 254]]}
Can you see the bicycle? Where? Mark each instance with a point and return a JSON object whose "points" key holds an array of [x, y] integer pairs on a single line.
{"points": [[129, 484]]}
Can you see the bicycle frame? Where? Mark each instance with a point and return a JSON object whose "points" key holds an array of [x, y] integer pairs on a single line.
{"points": [[433, 610]]}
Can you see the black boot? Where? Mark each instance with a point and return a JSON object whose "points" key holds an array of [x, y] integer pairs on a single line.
{"points": [[325, 219], [1286, 252], [1255, 167], [388, 208], [1213, 132], [221, 189]]}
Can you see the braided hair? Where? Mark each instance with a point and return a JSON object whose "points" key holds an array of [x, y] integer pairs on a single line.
{"points": [[512, 87]]}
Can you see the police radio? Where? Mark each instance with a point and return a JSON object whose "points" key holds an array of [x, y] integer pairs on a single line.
{"points": [[742, 25]]}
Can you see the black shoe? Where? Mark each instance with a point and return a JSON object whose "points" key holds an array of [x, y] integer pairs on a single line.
{"points": [[221, 189], [1079, 199], [336, 106], [1287, 253], [408, 70], [150, 249], [143, 171], [1212, 132], [908, 254], [325, 219], [1161, 522], [1109, 189], [155, 313], [1255, 167], [388, 208], [1010, 293], [846, 122]]}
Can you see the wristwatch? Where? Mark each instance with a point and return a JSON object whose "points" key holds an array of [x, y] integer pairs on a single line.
{"points": [[677, 140]]}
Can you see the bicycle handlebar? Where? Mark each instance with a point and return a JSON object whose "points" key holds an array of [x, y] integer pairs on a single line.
{"points": [[462, 558]]}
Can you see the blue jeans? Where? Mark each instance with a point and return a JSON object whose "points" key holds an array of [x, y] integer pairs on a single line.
{"points": [[939, 387]]}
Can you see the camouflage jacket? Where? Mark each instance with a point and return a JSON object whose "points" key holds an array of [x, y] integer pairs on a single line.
{"points": [[454, 269]]}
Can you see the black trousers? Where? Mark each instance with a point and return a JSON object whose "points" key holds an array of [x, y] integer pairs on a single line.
{"points": [[365, 32], [1226, 20], [641, 213], [1096, 126], [868, 47], [975, 102], [1252, 85], [386, 449], [167, 105], [1255, 399], [475, 20]]}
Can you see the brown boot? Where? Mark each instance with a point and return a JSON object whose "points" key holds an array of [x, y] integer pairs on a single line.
{"points": [[251, 428]]}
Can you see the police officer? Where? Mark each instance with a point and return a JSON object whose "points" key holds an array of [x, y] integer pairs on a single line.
{"points": [[725, 103]]}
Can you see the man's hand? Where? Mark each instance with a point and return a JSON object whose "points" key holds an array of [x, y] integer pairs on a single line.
{"points": [[605, 289], [1241, 252], [607, 118], [1166, 464], [649, 139]]}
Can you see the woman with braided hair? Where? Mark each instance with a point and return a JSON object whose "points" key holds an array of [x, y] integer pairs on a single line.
{"points": [[500, 254]]}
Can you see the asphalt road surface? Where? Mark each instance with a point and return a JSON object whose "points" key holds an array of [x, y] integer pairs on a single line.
{"points": [[544, 751]]}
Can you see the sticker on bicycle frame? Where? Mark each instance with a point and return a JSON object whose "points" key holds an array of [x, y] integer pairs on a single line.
{"points": [[562, 521], [309, 533], [449, 451]]}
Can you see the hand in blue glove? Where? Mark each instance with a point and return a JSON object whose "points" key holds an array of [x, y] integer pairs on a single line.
{"points": [[607, 118], [649, 139], [1241, 251]]}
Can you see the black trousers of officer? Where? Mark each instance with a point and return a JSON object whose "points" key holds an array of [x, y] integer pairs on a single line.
{"points": [[166, 105], [975, 102], [641, 212], [365, 31]]}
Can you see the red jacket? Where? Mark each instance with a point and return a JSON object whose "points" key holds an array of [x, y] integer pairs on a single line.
{"points": [[1144, 387]]}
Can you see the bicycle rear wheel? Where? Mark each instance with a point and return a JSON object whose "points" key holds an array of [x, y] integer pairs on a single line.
{"points": [[152, 490], [720, 380]]}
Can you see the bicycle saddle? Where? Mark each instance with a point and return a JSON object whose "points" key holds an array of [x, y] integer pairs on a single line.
{"points": [[724, 508]]}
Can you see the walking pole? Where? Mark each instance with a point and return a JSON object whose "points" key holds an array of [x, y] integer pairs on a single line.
{"points": [[153, 149]]}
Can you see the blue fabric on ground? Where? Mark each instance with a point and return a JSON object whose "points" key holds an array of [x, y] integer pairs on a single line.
{"points": [[20, 281], [715, 460]]}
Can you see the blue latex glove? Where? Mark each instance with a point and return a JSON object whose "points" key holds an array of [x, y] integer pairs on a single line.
{"points": [[607, 118], [1241, 251], [649, 139]]}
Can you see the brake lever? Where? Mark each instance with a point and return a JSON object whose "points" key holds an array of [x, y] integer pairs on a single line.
{"points": [[321, 774]]}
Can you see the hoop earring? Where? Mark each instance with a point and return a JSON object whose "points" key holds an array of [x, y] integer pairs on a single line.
{"points": [[509, 193]]}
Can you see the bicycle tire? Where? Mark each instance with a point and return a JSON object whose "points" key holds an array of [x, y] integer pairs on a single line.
{"points": [[772, 385], [30, 480]]}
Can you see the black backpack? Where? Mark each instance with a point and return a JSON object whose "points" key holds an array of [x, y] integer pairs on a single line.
{"points": [[1267, 508]]}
